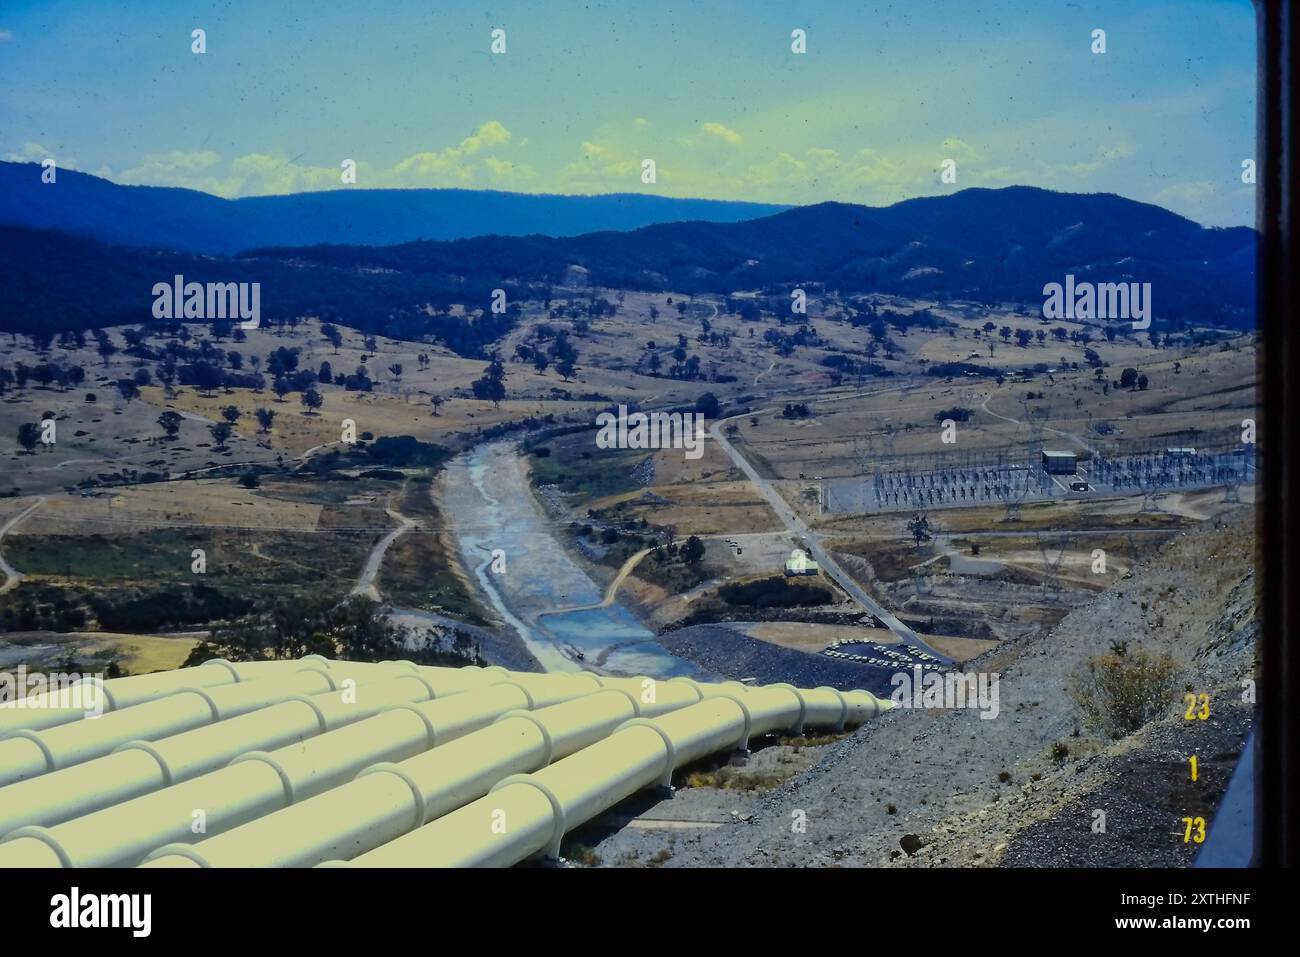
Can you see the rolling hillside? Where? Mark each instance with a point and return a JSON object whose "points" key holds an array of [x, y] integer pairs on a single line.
{"points": [[981, 245], [185, 219]]}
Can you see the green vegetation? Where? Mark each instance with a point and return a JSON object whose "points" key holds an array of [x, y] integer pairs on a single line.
{"points": [[419, 573], [775, 593], [393, 451], [582, 854], [156, 555], [40, 606], [147, 581], [590, 474], [668, 567], [1116, 694], [734, 779], [419, 568], [355, 630]]}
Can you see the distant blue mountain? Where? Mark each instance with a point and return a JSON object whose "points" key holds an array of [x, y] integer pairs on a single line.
{"points": [[191, 221], [980, 245]]}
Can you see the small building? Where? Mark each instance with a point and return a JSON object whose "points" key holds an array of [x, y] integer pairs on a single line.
{"points": [[1059, 463], [800, 564]]}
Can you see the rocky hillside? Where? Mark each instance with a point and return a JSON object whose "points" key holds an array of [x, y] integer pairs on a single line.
{"points": [[945, 788]]}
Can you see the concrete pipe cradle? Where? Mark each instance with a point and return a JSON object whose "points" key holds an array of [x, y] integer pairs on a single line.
{"points": [[258, 783], [389, 800], [530, 813]]}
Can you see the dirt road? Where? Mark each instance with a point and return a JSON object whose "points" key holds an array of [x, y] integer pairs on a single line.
{"points": [[366, 583], [12, 575]]}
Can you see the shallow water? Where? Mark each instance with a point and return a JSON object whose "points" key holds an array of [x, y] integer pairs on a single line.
{"points": [[489, 505]]}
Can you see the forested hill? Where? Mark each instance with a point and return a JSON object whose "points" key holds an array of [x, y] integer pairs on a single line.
{"points": [[981, 245]]}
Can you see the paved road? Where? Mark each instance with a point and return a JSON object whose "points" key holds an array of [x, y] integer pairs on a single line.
{"points": [[800, 530]]}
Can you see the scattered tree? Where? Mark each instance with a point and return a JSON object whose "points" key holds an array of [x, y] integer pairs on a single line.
{"points": [[171, 423], [29, 434], [221, 433]]}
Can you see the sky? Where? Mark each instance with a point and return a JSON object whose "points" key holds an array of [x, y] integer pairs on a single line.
{"points": [[710, 90]]}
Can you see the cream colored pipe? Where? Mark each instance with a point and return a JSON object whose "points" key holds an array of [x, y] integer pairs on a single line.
{"points": [[140, 767], [258, 783], [246, 792], [26, 754], [530, 813], [386, 801], [44, 711]]}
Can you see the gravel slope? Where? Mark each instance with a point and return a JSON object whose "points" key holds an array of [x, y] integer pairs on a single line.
{"points": [[923, 788]]}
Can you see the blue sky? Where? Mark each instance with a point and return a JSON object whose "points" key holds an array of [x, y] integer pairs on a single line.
{"points": [[585, 91]]}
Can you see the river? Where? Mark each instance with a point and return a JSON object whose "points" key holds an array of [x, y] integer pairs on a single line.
{"points": [[488, 504]]}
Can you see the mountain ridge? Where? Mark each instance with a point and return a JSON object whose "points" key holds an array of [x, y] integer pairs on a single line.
{"points": [[189, 220], [981, 245]]}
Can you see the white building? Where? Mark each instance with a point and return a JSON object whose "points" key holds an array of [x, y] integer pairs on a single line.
{"points": [[800, 564]]}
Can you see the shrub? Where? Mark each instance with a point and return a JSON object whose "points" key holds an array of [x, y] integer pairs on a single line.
{"points": [[774, 593], [1117, 694], [584, 855]]}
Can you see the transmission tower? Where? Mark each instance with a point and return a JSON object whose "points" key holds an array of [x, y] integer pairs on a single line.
{"points": [[1012, 496], [863, 453], [1036, 419], [1051, 571]]}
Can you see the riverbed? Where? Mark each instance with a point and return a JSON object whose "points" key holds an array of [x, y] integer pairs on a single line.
{"points": [[488, 504]]}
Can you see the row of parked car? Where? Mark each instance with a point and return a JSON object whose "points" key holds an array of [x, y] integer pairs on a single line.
{"points": [[883, 656]]}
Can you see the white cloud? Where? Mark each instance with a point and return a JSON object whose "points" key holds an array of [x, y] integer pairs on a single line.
{"points": [[470, 163], [719, 132]]}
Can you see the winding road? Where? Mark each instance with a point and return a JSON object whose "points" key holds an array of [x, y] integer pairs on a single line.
{"points": [[12, 575], [366, 583], [811, 540], [1065, 435], [610, 593]]}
